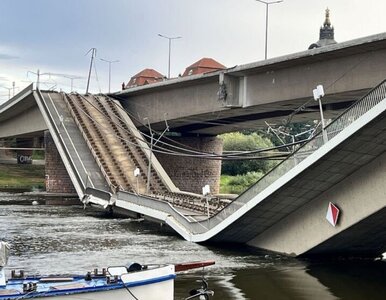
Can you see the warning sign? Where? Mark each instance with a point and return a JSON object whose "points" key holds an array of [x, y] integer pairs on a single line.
{"points": [[332, 214]]}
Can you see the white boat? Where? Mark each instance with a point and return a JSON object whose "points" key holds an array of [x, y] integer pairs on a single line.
{"points": [[135, 281]]}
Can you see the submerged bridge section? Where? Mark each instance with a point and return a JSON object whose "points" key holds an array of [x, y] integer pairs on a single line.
{"points": [[101, 149], [285, 211]]}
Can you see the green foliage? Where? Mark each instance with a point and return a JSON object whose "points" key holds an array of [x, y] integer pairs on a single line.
{"points": [[38, 154], [237, 141], [239, 183], [22, 176]]}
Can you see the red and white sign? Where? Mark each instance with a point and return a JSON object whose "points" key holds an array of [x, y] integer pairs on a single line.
{"points": [[332, 214]]}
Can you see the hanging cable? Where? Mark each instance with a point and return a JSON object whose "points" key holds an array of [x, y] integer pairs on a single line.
{"points": [[162, 150]]}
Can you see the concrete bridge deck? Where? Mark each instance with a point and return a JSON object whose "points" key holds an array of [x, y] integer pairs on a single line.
{"points": [[268, 90], [285, 211]]}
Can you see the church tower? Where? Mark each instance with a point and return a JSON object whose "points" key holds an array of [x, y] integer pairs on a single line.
{"points": [[326, 33]]}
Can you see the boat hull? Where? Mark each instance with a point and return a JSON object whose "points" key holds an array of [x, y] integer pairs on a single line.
{"points": [[156, 291], [149, 283]]}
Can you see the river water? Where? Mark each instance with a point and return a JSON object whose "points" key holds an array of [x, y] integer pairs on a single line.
{"points": [[68, 239]]}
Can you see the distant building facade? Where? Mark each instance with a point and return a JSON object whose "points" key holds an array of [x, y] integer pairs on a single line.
{"points": [[326, 33]]}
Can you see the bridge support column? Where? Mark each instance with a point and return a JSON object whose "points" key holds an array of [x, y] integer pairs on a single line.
{"points": [[192, 174], [57, 178]]}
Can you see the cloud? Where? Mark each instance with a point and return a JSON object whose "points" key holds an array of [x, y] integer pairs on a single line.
{"points": [[7, 56]]}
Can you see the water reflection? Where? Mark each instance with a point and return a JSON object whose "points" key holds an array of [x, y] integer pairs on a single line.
{"points": [[48, 239]]}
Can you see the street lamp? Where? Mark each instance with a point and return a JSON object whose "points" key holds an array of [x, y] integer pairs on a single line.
{"points": [[318, 94], [170, 46], [266, 20], [110, 62]]}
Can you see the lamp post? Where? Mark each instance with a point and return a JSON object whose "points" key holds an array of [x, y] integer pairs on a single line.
{"points": [[266, 21], [170, 46], [110, 62], [318, 94], [153, 143]]}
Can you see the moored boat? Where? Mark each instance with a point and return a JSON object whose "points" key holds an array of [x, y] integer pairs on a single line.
{"points": [[134, 281]]}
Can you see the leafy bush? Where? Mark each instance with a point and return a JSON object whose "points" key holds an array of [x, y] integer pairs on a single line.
{"points": [[237, 141], [239, 183]]}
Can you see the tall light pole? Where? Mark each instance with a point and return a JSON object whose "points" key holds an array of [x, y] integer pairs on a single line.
{"points": [[318, 93], [93, 54], [170, 46], [266, 21], [110, 62]]}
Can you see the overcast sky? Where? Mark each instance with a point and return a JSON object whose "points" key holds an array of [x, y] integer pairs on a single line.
{"points": [[54, 35]]}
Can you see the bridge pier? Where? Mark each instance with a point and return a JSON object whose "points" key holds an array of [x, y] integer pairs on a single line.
{"points": [[57, 178], [192, 174]]}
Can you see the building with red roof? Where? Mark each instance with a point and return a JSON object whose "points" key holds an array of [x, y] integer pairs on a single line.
{"points": [[204, 65], [144, 77]]}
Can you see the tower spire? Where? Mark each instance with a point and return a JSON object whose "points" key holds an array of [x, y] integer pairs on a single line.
{"points": [[327, 22], [326, 33]]}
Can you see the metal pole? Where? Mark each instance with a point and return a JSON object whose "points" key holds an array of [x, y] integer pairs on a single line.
{"points": [[170, 46], [109, 76], [109, 62], [266, 23], [93, 50], [266, 30], [13, 87], [150, 157], [324, 133], [38, 79]]}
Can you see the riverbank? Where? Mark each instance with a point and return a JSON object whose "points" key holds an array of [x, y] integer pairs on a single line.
{"points": [[38, 197], [17, 177]]}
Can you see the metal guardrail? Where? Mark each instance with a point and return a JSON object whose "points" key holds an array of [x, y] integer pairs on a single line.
{"points": [[60, 117], [58, 135]]}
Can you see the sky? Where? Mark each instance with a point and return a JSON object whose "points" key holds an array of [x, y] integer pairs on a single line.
{"points": [[53, 36]]}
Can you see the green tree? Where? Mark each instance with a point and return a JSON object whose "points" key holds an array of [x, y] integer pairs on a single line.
{"points": [[236, 141]]}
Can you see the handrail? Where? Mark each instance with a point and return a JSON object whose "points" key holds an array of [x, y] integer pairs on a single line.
{"points": [[58, 135], [72, 143]]}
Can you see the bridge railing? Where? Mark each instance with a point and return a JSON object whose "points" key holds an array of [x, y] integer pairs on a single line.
{"points": [[55, 123], [357, 110]]}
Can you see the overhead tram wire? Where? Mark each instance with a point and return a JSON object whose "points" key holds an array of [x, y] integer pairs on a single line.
{"points": [[128, 132], [203, 156], [218, 122], [211, 154], [303, 106], [184, 147]]}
